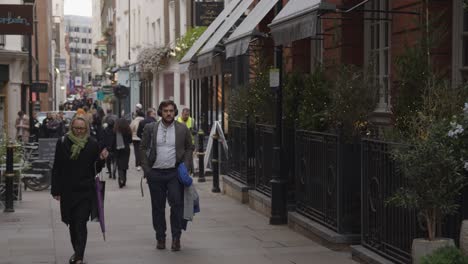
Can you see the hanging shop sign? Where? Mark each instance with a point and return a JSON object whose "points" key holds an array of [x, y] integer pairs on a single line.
{"points": [[207, 12], [16, 19]]}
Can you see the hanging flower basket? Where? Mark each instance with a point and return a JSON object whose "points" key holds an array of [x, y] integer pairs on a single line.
{"points": [[153, 59]]}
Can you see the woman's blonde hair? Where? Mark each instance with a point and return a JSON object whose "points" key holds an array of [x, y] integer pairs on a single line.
{"points": [[82, 118]]}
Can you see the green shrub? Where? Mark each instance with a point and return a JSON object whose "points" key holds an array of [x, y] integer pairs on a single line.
{"points": [[445, 255]]}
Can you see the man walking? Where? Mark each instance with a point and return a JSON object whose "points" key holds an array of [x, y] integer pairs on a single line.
{"points": [[165, 144]]}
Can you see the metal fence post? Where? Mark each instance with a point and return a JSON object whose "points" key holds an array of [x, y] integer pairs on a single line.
{"points": [[215, 164], [201, 157], [9, 176]]}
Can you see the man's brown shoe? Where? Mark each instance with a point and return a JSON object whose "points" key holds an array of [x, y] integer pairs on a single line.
{"points": [[161, 244], [175, 245]]}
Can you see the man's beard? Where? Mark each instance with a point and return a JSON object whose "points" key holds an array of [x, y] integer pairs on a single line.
{"points": [[168, 121]]}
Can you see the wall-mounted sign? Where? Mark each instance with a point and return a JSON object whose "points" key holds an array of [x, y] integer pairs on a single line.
{"points": [[274, 78], [16, 19], [78, 81], [39, 87], [206, 12], [62, 63]]}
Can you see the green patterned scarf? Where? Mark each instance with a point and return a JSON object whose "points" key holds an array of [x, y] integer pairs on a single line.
{"points": [[78, 145]]}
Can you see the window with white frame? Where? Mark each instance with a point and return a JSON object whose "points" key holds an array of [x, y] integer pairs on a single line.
{"points": [[377, 48], [460, 43], [316, 48], [2, 41]]}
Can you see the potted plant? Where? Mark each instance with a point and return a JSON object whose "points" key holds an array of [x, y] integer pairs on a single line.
{"points": [[431, 164]]}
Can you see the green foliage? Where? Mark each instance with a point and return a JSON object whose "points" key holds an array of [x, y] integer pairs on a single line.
{"points": [[313, 111], [433, 174], [184, 43], [256, 99], [445, 255], [412, 71], [353, 97], [306, 98], [432, 164], [17, 154], [415, 72]]}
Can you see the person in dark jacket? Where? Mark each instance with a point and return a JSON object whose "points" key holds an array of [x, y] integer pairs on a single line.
{"points": [[77, 160], [108, 138], [123, 139], [46, 120], [54, 127], [150, 118], [96, 128]]}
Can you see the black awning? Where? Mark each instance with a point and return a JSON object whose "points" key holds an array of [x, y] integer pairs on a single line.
{"points": [[298, 20], [239, 41]]}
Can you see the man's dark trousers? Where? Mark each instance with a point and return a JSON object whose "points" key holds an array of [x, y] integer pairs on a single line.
{"points": [[165, 183]]}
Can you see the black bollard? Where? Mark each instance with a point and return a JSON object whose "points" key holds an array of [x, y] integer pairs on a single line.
{"points": [[215, 164], [9, 176], [201, 157]]}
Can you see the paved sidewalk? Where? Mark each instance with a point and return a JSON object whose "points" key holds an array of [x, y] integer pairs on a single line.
{"points": [[224, 232]]}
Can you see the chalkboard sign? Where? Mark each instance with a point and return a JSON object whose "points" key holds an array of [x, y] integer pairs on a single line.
{"points": [[47, 148]]}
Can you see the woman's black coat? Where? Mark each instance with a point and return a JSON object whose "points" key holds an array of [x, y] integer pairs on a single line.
{"points": [[73, 180]]}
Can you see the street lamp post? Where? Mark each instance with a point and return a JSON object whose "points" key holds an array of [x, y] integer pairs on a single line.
{"points": [[278, 183]]}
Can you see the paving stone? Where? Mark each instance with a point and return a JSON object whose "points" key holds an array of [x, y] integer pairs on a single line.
{"points": [[226, 231]]}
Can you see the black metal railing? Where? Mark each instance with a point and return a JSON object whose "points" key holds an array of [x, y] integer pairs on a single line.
{"points": [[241, 152], [264, 142], [327, 181], [386, 229], [316, 170]]}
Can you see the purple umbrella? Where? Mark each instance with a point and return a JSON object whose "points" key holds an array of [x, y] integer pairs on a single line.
{"points": [[100, 200]]}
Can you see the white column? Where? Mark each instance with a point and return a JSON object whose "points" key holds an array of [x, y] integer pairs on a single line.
{"points": [[14, 105], [177, 88], [187, 90], [183, 17], [155, 88], [160, 89]]}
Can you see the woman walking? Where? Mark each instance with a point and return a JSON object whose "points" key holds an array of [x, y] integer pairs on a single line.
{"points": [[136, 140], [123, 138], [77, 160]]}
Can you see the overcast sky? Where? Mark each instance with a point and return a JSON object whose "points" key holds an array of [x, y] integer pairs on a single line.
{"points": [[78, 7]]}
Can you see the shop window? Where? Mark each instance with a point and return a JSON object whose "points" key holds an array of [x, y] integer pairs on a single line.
{"points": [[2, 41], [377, 49]]}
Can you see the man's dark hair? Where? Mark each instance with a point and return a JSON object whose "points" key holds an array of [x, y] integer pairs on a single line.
{"points": [[150, 111], [109, 111], [20, 113], [167, 103]]}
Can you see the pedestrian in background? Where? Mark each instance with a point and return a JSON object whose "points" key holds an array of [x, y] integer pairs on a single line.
{"points": [[77, 160], [36, 129], [123, 139], [22, 127], [54, 127], [150, 118], [136, 140], [108, 138], [164, 145], [185, 119]]}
